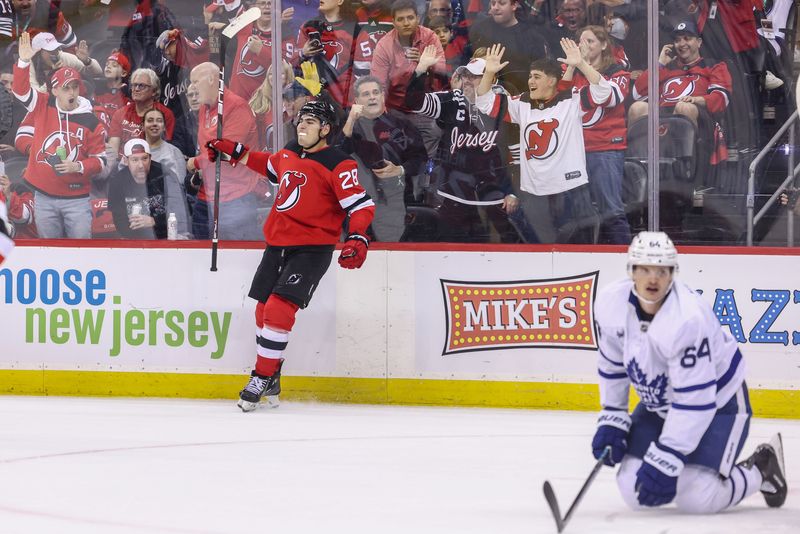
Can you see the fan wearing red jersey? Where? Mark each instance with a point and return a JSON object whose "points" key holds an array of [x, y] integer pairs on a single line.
{"points": [[317, 189], [690, 85]]}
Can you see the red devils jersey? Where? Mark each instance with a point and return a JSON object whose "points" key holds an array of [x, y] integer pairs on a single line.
{"points": [[371, 27], [47, 131], [102, 114], [127, 124], [702, 78], [111, 101], [604, 122], [335, 64], [618, 51], [250, 69], [315, 193]]}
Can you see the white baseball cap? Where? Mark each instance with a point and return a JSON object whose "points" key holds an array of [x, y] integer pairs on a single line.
{"points": [[476, 66], [45, 41], [136, 146]]}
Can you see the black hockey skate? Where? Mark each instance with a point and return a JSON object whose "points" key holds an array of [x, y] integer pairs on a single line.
{"points": [[768, 459], [260, 387]]}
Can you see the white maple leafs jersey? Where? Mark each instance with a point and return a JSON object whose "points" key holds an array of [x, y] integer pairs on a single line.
{"points": [[680, 361], [552, 153]]}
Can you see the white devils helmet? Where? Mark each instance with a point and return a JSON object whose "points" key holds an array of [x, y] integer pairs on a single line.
{"points": [[652, 248]]}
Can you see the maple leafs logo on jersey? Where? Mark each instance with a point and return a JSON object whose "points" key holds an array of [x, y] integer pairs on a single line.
{"points": [[679, 87], [541, 139], [289, 190], [652, 393]]}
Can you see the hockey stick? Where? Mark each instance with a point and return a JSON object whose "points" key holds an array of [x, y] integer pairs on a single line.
{"points": [[550, 495], [243, 20]]}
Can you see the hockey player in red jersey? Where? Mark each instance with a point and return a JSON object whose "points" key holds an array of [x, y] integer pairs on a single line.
{"points": [[317, 188]]}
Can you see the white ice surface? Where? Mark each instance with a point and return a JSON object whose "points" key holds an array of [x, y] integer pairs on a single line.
{"points": [[75, 465]]}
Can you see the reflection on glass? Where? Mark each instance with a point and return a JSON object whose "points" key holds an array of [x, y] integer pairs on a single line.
{"points": [[79, 79]]}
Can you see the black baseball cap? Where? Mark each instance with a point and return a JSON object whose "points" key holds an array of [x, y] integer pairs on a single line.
{"points": [[686, 26], [295, 90]]}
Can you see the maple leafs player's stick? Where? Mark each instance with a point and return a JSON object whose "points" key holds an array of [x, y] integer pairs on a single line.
{"points": [[236, 25], [550, 495]]}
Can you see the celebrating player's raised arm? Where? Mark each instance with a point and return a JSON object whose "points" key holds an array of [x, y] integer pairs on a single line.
{"points": [[317, 188]]}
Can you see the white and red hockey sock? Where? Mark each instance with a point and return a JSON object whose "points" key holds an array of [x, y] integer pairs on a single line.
{"points": [[274, 321]]}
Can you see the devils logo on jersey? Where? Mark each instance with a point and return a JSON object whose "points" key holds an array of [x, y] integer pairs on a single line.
{"points": [[676, 88], [333, 52], [593, 116], [248, 67], [374, 37], [53, 142], [541, 139], [289, 190]]}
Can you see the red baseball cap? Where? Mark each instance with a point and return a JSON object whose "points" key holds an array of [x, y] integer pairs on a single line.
{"points": [[230, 5], [122, 59], [63, 76]]}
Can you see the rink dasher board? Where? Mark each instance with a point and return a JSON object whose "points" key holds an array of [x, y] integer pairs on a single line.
{"points": [[424, 325]]}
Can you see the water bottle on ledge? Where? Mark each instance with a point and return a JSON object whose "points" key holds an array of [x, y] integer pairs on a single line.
{"points": [[172, 227]]}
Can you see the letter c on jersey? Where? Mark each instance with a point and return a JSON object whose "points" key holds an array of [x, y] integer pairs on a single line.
{"points": [[289, 190], [541, 138]]}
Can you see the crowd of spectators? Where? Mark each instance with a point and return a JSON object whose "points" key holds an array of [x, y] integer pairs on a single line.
{"points": [[471, 121]]}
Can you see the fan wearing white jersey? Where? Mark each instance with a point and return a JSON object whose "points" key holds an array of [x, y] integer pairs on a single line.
{"points": [[553, 179], [682, 439]]}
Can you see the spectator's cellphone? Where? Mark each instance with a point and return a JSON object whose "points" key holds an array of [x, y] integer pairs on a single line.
{"points": [[315, 38], [379, 164], [53, 161]]}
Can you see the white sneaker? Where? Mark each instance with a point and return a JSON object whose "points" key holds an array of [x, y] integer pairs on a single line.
{"points": [[771, 81]]}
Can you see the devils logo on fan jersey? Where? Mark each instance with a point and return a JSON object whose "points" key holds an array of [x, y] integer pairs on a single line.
{"points": [[676, 88], [248, 67], [541, 139], [333, 52], [289, 190], [593, 116], [56, 140]]}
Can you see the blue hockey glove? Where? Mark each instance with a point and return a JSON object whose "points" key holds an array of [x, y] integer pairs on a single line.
{"points": [[612, 430], [657, 479]]}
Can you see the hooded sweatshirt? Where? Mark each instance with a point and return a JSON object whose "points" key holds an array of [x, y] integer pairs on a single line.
{"points": [[46, 128]]}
